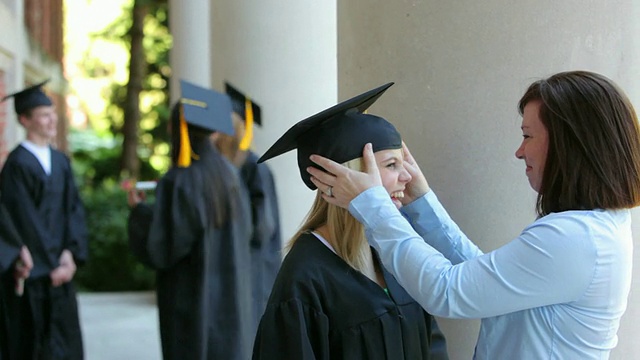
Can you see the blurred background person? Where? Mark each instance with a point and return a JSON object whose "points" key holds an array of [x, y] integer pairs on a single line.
{"points": [[15, 259], [196, 236], [14, 255], [39, 192], [266, 242]]}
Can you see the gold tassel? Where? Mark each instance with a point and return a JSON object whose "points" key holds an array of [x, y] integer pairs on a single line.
{"points": [[245, 143], [184, 156]]}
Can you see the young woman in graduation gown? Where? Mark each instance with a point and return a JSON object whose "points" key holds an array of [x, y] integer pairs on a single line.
{"points": [[196, 236], [332, 298]]}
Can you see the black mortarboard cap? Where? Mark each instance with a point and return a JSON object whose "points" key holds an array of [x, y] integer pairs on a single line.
{"points": [[239, 103], [338, 133], [29, 98], [206, 108]]}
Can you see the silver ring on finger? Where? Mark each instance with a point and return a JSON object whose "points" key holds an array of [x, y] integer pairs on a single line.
{"points": [[330, 191]]}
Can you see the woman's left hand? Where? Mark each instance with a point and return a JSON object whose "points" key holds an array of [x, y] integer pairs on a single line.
{"points": [[418, 186], [340, 184]]}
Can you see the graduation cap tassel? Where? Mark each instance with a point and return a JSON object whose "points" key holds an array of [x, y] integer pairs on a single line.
{"points": [[245, 143], [184, 156]]}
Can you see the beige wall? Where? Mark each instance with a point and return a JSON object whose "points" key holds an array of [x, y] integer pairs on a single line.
{"points": [[460, 68], [23, 61], [188, 22]]}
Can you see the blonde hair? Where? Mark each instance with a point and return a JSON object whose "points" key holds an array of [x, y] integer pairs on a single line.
{"points": [[229, 145], [346, 234]]}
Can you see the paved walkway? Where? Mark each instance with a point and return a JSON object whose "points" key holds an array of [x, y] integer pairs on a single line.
{"points": [[119, 326]]}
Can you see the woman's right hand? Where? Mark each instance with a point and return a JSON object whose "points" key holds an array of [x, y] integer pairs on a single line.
{"points": [[418, 186], [345, 183]]}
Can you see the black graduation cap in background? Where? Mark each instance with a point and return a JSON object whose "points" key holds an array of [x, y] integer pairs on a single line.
{"points": [[29, 98], [338, 133], [206, 108], [239, 104]]}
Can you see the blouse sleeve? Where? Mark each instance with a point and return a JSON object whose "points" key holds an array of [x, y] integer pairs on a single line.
{"points": [[552, 261], [431, 221]]}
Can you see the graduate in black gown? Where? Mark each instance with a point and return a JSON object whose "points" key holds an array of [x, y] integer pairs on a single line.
{"points": [[14, 255], [38, 191], [266, 242], [196, 236], [15, 259], [332, 298]]}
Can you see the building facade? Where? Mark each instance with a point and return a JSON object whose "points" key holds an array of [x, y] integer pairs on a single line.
{"points": [[31, 50]]}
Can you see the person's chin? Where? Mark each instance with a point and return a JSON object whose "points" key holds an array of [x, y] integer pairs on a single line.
{"points": [[534, 186]]}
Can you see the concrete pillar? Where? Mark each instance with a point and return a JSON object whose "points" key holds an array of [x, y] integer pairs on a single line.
{"points": [[285, 58], [191, 53], [460, 68]]}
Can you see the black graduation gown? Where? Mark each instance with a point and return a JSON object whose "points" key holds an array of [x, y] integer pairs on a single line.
{"points": [[321, 308], [10, 245], [10, 242], [49, 217], [266, 243], [203, 282]]}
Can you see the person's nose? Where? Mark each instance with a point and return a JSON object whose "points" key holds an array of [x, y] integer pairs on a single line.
{"points": [[520, 151], [405, 176]]}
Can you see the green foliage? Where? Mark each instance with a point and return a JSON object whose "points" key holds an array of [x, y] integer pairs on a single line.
{"points": [[111, 266], [97, 154], [96, 160], [154, 98]]}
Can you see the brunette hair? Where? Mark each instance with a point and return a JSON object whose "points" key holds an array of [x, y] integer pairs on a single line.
{"points": [[593, 159]]}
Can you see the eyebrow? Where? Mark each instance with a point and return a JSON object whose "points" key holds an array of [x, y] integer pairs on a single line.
{"points": [[392, 157]]}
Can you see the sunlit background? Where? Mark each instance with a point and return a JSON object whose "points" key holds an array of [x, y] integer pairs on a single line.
{"points": [[96, 65]]}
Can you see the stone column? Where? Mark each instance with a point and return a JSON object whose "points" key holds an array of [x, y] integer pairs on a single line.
{"points": [[190, 57], [285, 59]]}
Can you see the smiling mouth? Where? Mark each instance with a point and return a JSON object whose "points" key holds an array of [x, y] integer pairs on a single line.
{"points": [[397, 195]]}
